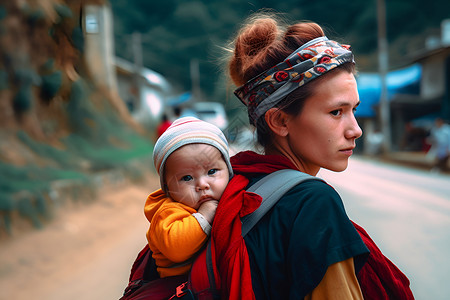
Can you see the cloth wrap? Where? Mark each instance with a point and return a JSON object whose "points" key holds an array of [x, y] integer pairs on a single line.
{"points": [[308, 62]]}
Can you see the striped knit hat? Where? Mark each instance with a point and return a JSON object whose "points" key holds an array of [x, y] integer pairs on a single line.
{"points": [[185, 131]]}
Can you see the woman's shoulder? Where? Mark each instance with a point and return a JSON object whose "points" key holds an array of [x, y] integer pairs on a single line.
{"points": [[313, 198], [313, 189]]}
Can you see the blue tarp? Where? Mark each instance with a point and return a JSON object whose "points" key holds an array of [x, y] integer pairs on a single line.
{"points": [[403, 81], [180, 99]]}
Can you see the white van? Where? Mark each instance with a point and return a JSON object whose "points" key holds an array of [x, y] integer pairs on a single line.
{"points": [[212, 112]]}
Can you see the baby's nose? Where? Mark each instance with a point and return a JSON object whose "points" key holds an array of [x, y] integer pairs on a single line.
{"points": [[202, 184]]}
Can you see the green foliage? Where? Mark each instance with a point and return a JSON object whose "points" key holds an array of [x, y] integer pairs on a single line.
{"points": [[101, 157], [50, 86], [78, 39], [27, 209], [99, 140], [23, 99], [92, 138], [3, 12], [33, 14], [3, 80], [63, 11], [22, 189], [32, 178], [6, 203], [176, 31], [63, 158], [80, 111]]}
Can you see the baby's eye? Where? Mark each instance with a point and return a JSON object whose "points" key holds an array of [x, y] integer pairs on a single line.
{"points": [[336, 112], [212, 171], [186, 178]]}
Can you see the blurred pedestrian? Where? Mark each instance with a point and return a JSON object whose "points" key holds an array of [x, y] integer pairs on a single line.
{"points": [[413, 138], [374, 142], [440, 145], [163, 125], [177, 112]]}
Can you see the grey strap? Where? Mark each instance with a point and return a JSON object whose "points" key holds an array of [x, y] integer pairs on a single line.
{"points": [[271, 188]]}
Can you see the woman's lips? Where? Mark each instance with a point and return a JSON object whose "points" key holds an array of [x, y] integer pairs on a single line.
{"points": [[348, 151]]}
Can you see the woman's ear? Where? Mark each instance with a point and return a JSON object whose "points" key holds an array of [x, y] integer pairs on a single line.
{"points": [[277, 119]]}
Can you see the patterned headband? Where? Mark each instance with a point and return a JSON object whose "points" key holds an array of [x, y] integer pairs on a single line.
{"points": [[308, 62]]}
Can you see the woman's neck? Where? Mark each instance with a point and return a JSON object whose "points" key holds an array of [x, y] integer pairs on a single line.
{"points": [[296, 161]]}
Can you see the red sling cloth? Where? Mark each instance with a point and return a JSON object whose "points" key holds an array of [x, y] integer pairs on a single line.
{"points": [[229, 246], [379, 278]]}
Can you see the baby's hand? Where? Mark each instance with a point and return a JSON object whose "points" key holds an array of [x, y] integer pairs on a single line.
{"points": [[208, 210]]}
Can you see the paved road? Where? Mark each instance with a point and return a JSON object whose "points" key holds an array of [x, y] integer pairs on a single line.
{"points": [[407, 213], [87, 252]]}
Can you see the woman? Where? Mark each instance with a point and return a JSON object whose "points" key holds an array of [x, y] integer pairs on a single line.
{"points": [[300, 92]]}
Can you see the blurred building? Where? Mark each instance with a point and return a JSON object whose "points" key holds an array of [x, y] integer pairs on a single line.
{"points": [[99, 43], [138, 91], [417, 93], [145, 93]]}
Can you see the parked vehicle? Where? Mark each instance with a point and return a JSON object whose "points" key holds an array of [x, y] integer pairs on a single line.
{"points": [[212, 112]]}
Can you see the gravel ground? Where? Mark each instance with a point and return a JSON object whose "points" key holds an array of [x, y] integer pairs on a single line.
{"points": [[85, 252]]}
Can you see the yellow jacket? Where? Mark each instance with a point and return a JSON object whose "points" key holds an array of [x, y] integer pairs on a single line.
{"points": [[174, 235]]}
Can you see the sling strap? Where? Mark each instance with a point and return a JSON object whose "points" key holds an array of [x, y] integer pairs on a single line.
{"points": [[271, 188]]}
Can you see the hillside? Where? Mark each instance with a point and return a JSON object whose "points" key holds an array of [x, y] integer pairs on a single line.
{"points": [[57, 127]]}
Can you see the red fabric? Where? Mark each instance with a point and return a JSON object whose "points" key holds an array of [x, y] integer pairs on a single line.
{"points": [[230, 250], [249, 163], [379, 278]]}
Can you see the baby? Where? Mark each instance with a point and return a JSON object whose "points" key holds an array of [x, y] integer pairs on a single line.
{"points": [[192, 160]]}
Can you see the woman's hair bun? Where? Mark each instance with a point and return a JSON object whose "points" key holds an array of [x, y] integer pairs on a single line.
{"points": [[251, 47], [257, 36], [263, 42]]}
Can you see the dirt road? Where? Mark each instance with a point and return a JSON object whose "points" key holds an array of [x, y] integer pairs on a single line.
{"points": [[84, 253]]}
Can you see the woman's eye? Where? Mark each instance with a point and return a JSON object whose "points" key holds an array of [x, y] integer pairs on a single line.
{"points": [[186, 178], [212, 171], [336, 112]]}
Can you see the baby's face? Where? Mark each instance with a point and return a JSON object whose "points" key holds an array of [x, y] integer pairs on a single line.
{"points": [[196, 173]]}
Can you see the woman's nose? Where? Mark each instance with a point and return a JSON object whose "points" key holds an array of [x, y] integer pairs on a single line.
{"points": [[353, 131]]}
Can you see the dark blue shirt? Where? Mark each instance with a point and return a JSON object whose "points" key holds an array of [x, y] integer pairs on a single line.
{"points": [[292, 246]]}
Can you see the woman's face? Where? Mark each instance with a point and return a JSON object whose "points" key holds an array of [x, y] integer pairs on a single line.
{"points": [[323, 134]]}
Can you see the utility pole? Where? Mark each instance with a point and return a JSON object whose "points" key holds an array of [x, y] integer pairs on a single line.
{"points": [[136, 42], [383, 62], [195, 80]]}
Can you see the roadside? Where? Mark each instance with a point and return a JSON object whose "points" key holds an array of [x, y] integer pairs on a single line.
{"points": [[85, 252], [412, 159]]}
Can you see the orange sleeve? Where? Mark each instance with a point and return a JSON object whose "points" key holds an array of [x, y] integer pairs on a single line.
{"points": [[176, 233], [339, 282]]}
